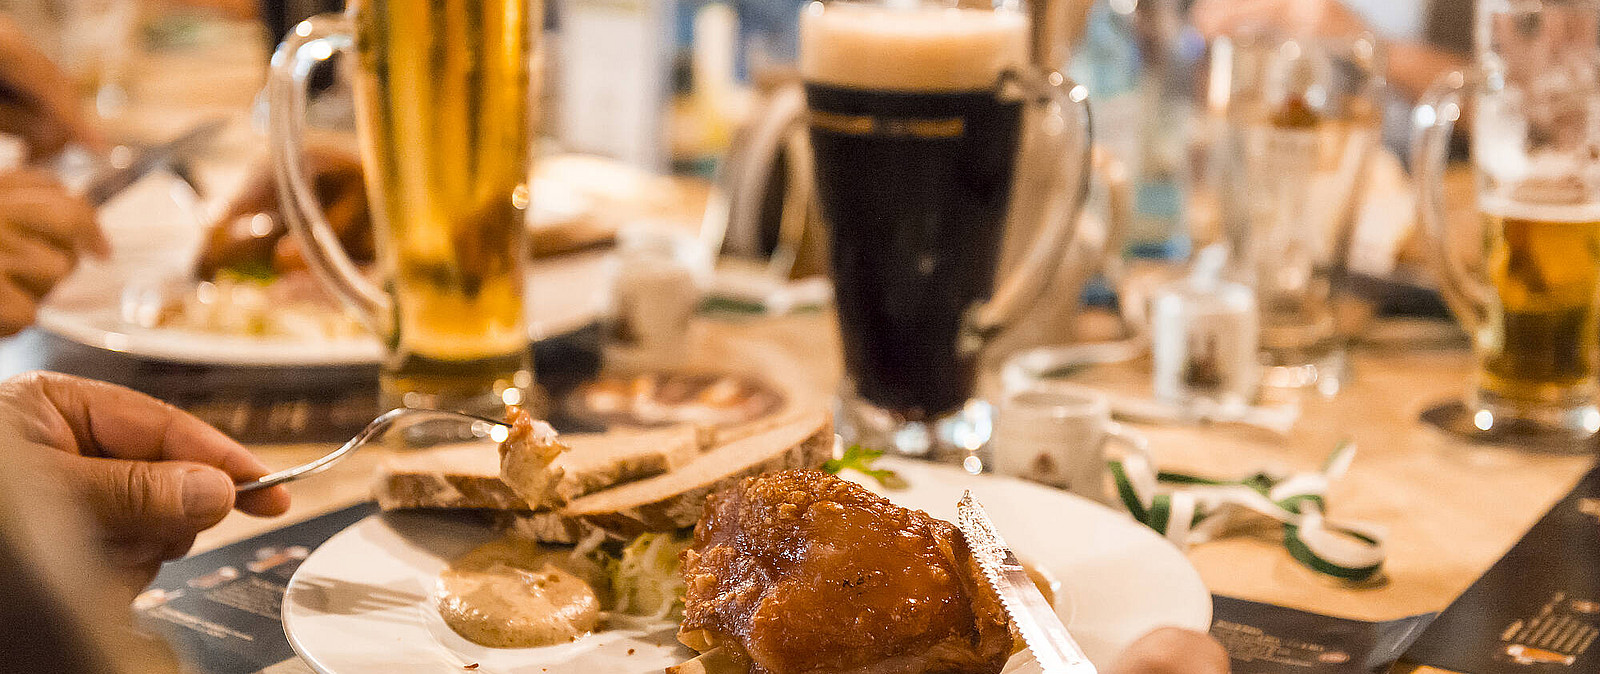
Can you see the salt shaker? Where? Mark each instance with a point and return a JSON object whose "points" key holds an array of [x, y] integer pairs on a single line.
{"points": [[1203, 332], [657, 282]]}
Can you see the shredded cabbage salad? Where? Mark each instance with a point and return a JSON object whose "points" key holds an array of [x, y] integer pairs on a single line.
{"points": [[647, 580]]}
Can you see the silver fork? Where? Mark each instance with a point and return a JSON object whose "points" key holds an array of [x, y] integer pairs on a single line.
{"points": [[481, 427]]}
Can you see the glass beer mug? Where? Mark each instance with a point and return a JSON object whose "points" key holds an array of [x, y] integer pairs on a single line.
{"points": [[444, 121], [1529, 294], [1301, 129], [930, 138]]}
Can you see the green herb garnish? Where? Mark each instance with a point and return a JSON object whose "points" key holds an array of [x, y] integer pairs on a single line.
{"points": [[861, 460], [252, 271]]}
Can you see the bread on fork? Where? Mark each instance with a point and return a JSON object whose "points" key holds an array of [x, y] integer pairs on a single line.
{"points": [[624, 482]]}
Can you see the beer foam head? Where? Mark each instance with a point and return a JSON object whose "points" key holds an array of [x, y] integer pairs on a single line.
{"points": [[924, 49], [1506, 207]]}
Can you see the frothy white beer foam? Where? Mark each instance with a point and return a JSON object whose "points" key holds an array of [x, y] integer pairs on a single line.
{"points": [[1550, 213], [925, 49]]}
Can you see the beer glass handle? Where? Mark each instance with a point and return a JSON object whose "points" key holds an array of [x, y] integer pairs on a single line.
{"points": [[1112, 173], [1051, 184], [1432, 123], [312, 41]]}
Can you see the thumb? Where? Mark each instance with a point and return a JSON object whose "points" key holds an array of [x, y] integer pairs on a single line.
{"points": [[1169, 650], [127, 494]]}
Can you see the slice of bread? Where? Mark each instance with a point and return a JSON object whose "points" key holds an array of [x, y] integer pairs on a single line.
{"points": [[714, 436], [673, 500], [544, 526], [626, 483], [468, 476], [458, 476], [597, 461]]}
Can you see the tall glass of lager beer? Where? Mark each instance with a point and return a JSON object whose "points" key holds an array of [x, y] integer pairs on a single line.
{"points": [[442, 97], [1530, 292], [932, 133]]}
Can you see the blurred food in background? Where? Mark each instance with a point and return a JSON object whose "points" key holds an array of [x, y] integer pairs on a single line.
{"points": [[251, 279]]}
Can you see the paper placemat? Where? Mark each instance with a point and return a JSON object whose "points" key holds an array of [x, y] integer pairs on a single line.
{"points": [[222, 610]]}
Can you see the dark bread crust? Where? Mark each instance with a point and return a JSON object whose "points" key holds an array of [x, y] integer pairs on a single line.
{"points": [[399, 489]]}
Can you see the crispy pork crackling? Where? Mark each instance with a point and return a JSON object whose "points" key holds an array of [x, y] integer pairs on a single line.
{"points": [[801, 571]]}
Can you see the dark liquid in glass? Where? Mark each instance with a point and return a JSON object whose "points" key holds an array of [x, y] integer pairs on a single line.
{"points": [[914, 188]]}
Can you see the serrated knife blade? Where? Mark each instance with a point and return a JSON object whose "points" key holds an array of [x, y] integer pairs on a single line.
{"points": [[1052, 646]]}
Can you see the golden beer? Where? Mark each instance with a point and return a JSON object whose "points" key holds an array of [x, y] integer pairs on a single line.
{"points": [[442, 93], [1530, 297], [1540, 343]]}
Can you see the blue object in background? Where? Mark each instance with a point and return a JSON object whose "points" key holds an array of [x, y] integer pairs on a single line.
{"points": [[769, 35]]}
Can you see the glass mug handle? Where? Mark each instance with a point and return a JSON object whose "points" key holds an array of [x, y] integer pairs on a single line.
{"points": [[311, 42], [1112, 174], [1432, 123], [1052, 184]]}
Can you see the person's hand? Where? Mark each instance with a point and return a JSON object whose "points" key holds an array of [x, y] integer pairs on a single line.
{"points": [[152, 475], [43, 230], [1290, 18], [37, 101], [1170, 650]]}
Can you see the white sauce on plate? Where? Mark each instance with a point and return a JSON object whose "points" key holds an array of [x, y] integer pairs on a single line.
{"points": [[504, 594]]}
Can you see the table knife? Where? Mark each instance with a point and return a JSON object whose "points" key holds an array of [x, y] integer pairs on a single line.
{"points": [[111, 183], [1052, 646]]}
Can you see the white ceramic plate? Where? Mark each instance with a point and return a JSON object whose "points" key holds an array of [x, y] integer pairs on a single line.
{"points": [[564, 295], [360, 603], [101, 327]]}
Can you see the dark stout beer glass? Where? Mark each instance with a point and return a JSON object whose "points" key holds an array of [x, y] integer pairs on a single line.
{"points": [[930, 137]]}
